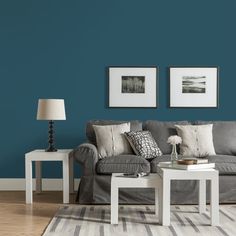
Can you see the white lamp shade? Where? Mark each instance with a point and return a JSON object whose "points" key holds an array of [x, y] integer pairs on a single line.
{"points": [[51, 109]]}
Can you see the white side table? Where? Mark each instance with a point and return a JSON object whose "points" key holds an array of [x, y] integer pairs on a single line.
{"points": [[118, 181], [201, 175], [40, 155]]}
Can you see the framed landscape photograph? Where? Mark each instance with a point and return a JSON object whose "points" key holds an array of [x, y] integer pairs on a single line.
{"points": [[133, 86], [194, 86]]}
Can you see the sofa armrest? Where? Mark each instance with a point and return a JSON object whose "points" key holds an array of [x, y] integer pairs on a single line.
{"points": [[86, 154]]}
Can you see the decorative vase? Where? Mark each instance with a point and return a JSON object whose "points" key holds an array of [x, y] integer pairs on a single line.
{"points": [[174, 154]]}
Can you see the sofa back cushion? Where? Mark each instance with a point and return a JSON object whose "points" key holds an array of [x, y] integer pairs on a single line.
{"points": [[224, 136], [135, 125], [161, 130]]}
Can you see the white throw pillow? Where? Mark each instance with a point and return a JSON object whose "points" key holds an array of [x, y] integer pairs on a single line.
{"points": [[197, 140], [111, 140]]}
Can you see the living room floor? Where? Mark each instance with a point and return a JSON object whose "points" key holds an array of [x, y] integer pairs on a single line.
{"points": [[17, 218]]}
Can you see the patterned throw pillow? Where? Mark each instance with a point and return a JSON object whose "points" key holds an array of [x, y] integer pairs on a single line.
{"points": [[143, 144]]}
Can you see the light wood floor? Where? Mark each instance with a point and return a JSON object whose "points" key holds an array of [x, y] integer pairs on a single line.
{"points": [[17, 218]]}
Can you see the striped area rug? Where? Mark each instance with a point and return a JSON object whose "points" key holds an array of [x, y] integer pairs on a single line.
{"points": [[73, 220]]}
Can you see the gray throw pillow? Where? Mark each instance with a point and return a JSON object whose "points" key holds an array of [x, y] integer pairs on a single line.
{"points": [[111, 140], [143, 144], [197, 140]]}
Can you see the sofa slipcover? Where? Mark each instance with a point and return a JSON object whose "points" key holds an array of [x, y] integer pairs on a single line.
{"points": [[96, 176]]}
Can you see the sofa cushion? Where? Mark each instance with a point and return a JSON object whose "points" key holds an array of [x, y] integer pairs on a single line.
{"points": [[226, 165], [143, 144], [224, 136], [161, 130], [111, 140], [123, 164], [135, 125], [197, 140]]}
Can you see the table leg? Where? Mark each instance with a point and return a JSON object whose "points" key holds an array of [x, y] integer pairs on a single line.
{"points": [[157, 201], [28, 182], [202, 196], [114, 203], [215, 200], [38, 177], [71, 166], [166, 201], [160, 203], [66, 192]]}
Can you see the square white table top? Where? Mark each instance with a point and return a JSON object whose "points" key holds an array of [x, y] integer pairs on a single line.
{"points": [[187, 174], [42, 155]]}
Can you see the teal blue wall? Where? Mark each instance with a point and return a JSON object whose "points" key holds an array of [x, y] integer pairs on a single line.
{"points": [[60, 49]]}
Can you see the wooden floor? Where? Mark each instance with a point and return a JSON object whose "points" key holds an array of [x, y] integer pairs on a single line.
{"points": [[17, 218]]}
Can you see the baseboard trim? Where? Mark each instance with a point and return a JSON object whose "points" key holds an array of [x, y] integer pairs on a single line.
{"points": [[18, 184]]}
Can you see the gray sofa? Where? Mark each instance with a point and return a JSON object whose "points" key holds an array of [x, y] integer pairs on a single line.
{"points": [[95, 181]]}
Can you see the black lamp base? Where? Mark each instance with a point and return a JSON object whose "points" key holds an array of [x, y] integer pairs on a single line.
{"points": [[51, 147]]}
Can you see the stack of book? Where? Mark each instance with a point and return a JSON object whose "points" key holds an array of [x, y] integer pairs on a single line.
{"points": [[189, 163]]}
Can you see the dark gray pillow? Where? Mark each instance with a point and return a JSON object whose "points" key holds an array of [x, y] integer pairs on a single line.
{"points": [[143, 144], [161, 131], [135, 125]]}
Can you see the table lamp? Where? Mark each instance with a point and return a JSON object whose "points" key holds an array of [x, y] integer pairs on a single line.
{"points": [[51, 109]]}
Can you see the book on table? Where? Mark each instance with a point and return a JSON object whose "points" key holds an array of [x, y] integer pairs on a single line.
{"points": [[170, 165], [196, 160]]}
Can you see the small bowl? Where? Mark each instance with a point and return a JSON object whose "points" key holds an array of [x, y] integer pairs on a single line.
{"points": [[185, 162]]}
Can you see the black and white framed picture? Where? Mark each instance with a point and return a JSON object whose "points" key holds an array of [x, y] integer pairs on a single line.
{"points": [[133, 86], [194, 86]]}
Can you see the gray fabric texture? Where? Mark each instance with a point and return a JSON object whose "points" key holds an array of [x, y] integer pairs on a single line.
{"points": [[226, 165], [123, 164], [96, 190], [161, 131], [86, 155], [224, 136], [135, 125]]}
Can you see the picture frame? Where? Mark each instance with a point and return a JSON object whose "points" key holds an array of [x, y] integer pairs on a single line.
{"points": [[133, 86], [194, 86]]}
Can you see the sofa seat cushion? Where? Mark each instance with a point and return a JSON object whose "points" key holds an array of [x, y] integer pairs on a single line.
{"points": [[225, 164], [123, 164]]}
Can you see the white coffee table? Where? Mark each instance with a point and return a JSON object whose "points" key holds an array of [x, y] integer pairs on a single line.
{"points": [[201, 175], [150, 181]]}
